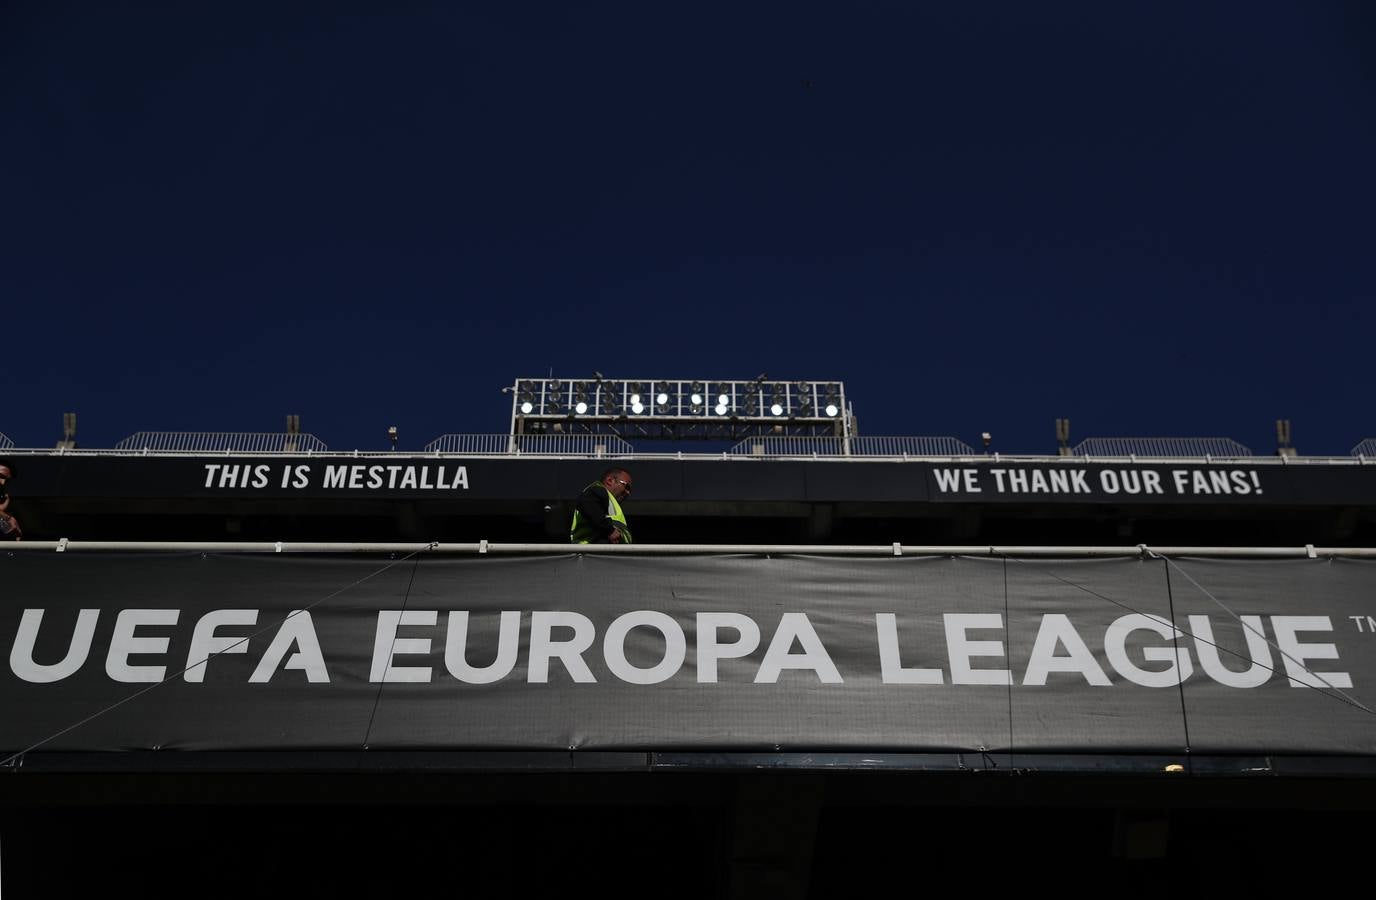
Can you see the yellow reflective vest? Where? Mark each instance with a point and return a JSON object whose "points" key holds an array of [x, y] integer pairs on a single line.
{"points": [[581, 532]]}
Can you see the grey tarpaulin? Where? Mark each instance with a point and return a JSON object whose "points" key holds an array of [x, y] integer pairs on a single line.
{"points": [[853, 654]]}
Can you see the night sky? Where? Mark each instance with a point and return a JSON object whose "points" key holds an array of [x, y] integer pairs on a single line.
{"points": [[1151, 218]]}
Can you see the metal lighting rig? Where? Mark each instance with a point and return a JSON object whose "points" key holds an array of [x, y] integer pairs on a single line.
{"points": [[676, 409]]}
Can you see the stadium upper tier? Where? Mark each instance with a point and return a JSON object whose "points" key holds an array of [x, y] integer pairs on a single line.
{"points": [[602, 445], [806, 496]]}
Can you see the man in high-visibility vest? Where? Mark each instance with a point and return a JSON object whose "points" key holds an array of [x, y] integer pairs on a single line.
{"points": [[597, 516], [9, 525]]}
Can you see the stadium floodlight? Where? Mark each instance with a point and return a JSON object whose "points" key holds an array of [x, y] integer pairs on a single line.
{"points": [[666, 399], [526, 396], [582, 393], [555, 397], [608, 402], [721, 398], [679, 408], [750, 401], [778, 400]]}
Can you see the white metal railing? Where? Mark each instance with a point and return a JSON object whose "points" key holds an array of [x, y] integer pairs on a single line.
{"points": [[565, 444], [690, 456], [1366, 448], [868, 445], [483, 548], [1161, 447], [5, 442], [903, 445], [223, 442], [476, 444], [770, 445]]}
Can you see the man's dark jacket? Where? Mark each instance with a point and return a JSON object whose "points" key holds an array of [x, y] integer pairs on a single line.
{"points": [[592, 508]]}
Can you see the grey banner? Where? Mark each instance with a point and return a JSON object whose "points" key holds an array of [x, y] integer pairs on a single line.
{"points": [[691, 653]]}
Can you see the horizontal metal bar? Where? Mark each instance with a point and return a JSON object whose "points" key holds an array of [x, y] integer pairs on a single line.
{"points": [[491, 549], [719, 456], [967, 762]]}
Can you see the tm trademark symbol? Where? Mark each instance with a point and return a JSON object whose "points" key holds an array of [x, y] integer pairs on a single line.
{"points": [[1364, 624]]}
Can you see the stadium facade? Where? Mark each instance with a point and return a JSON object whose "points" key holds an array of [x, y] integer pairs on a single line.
{"points": [[819, 654]]}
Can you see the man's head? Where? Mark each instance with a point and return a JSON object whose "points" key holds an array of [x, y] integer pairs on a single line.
{"points": [[617, 482], [6, 473]]}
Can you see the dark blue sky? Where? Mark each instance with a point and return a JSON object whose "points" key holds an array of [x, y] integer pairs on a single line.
{"points": [[1154, 218]]}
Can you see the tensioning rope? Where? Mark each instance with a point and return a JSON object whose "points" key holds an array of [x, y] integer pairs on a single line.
{"points": [[1322, 686]]}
